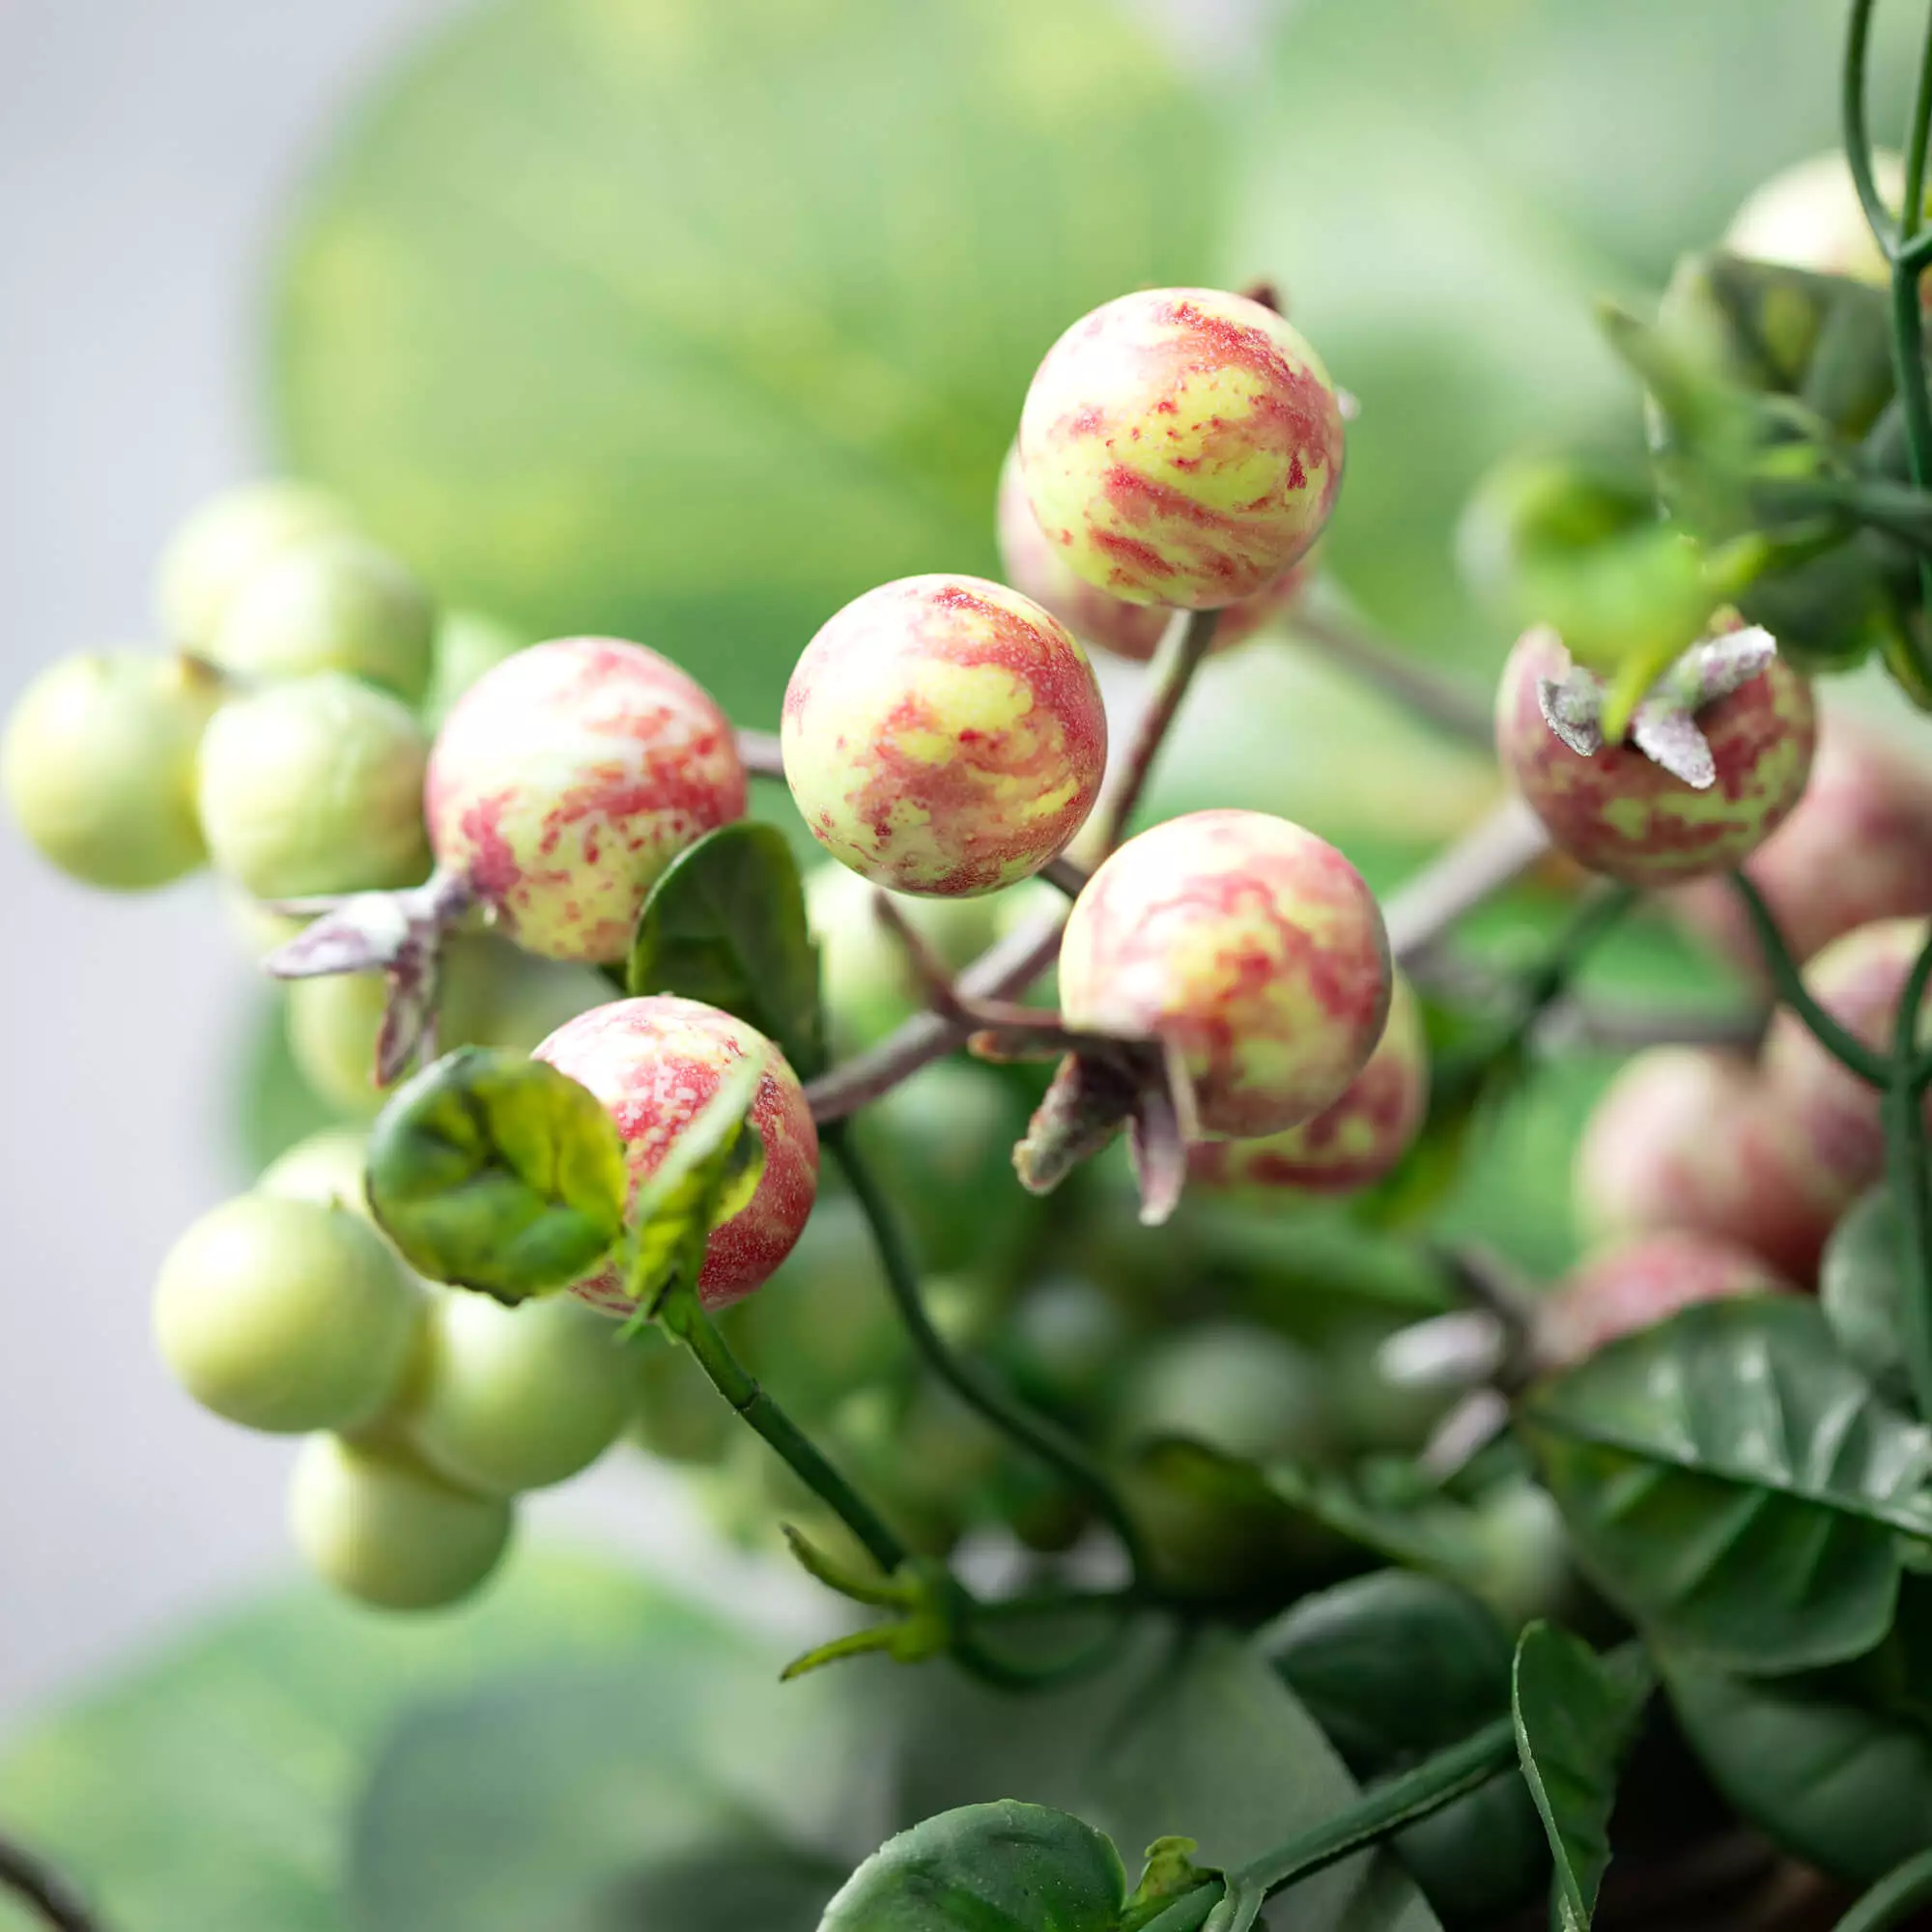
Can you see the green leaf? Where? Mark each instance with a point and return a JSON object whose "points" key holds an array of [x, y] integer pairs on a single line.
{"points": [[691, 320], [711, 1171], [602, 1797], [1731, 1482], [1576, 1717], [206, 1789], [1394, 1666], [726, 925], [498, 1173], [999, 1867]]}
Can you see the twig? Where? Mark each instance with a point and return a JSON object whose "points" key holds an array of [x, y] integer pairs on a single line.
{"points": [[37, 1882], [1494, 853], [758, 751], [1339, 640]]}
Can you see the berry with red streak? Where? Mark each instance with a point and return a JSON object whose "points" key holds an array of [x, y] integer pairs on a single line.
{"points": [[655, 1064], [1182, 447], [1351, 1145], [1622, 815], [943, 735], [1859, 980], [1036, 569], [1858, 847], [1642, 1283], [567, 779], [1691, 1140], [1247, 943]]}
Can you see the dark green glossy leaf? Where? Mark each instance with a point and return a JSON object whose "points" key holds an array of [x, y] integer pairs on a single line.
{"points": [[1576, 1717], [207, 1788], [691, 320], [726, 925], [1732, 1483], [1396, 1665], [498, 1173], [1000, 1867]]}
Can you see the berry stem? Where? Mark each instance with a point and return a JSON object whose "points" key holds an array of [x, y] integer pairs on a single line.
{"points": [[40, 1886], [688, 1323], [1011, 1418], [1492, 854], [759, 753], [1905, 1153], [1886, 1904], [1338, 638]]}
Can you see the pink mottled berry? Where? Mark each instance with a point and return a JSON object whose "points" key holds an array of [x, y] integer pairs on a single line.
{"points": [[1691, 1140], [1349, 1146], [1637, 1283], [1857, 847], [1622, 815], [655, 1063], [1249, 944], [1034, 567], [564, 782], [1182, 447], [943, 735]]}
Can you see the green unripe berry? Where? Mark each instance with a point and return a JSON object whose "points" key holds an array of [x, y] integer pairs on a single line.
{"points": [[328, 1168], [466, 644], [511, 1398], [98, 764], [679, 1417], [315, 786], [225, 542], [381, 1528], [287, 1316], [1243, 1390], [335, 603]]}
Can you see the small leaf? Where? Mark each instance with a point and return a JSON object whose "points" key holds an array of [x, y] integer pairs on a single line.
{"points": [[1576, 1717], [1733, 1484], [1170, 1870], [711, 1172], [726, 924], [498, 1173], [1000, 1867]]}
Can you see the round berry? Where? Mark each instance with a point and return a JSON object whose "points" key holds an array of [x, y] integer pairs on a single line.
{"points": [[287, 1316], [99, 763], [943, 735], [1182, 447], [314, 787], [1349, 1146], [225, 542], [518, 1398], [1809, 217], [1622, 815], [1239, 1388], [1642, 1283], [567, 779], [1250, 945], [329, 1168], [1036, 569], [380, 1527], [335, 603], [655, 1063]]}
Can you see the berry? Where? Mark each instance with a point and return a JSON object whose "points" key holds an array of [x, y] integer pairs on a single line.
{"points": [[217, 550], [654, 1064], [314, 787], [1238, 1388], [1642, 1283], [330, 1167], [1809, 217], [1252, 945], [1349, 1146], [1620, 815], [1858, 847], [335, 603], [943, 735], [1182, 447], [378, 1527], [1685, 1139], [517, 1398], [1036, 569], [99, 762], [567, 779], [287, 1316]]}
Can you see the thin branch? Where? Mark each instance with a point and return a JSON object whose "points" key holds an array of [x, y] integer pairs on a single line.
{"points": [[758, 751], [1496, 853], [40, 1886], [1339, 640], [1842, 1044]]}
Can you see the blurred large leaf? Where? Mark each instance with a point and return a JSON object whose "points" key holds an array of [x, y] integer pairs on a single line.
{"points": [[1733, 1484], [208, 1790], [692, 319]]}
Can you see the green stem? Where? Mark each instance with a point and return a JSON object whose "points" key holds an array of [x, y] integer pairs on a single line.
{"points": [[1051, 1444], [1888, 1902], [730, 1376], [36, 1884], [1858, 135], [1843, 1045], [1905, 1153]]}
